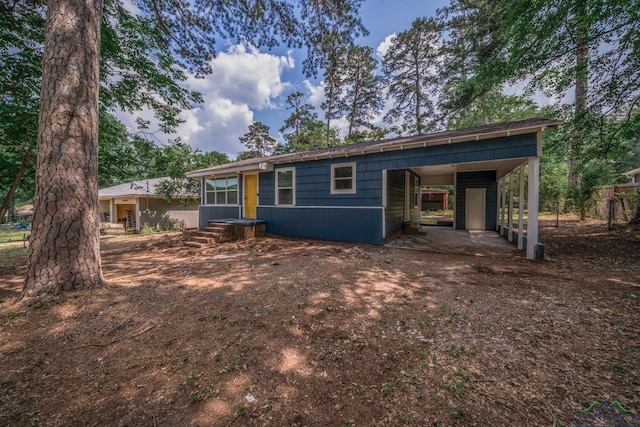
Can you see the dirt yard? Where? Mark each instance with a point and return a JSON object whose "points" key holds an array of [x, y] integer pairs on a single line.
{"points": [[290, 332]]}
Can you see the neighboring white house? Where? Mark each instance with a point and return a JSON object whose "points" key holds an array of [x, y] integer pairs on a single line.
{"points": [[635, 175], [135, 204]]}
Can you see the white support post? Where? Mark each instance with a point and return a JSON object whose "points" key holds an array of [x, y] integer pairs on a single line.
{"points": [[510, 221], [502, 205], [521, 209], [498, 205], [532, 206]]}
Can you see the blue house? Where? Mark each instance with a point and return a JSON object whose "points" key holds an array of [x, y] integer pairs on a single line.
{"points": [[366, 192]]}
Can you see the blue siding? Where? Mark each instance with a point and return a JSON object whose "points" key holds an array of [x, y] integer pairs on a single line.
{"points": [[483, 179], [313, 177], [358, 217], [209, 212], [394, 212], [340, 224]]}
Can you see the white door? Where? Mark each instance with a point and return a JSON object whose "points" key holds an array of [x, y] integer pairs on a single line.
{"points": [[475, 208]]}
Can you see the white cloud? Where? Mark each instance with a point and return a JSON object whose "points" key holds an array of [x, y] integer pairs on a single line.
{"points": [[383, 47], [317, 93], [243, 80]]}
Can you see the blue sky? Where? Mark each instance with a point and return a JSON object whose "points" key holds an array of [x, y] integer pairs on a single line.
{"points": [[250, 85]]}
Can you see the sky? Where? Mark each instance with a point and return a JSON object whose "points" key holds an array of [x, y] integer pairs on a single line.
{"points": [[249, 85]]}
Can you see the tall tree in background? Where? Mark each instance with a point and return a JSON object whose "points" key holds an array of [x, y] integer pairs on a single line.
{"points": [[18, 132], [177, 158], [410, 67], [362, 98], [583, 51], [258, 140], [492, 107], [471, 30], [300, 122], [333, 80], [64, 250]]}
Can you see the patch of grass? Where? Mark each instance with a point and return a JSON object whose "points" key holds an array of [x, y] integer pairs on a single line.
{"points": [[301, 305], [456, 350], [191, 379], [33, 418], [388, 389], [240, 409], [404, 417], [218, 316], [456, 412], [13, 236], [217, 357], [209, 392]]}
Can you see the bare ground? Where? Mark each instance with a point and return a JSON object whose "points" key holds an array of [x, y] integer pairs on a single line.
{"points": [[291, 332]]}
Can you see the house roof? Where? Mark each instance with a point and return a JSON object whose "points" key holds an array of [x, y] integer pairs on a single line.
{"points": [[145, 187], [633, 172], [401, 143]]}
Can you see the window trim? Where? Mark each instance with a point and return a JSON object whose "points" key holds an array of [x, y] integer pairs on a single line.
{"points": [[226, 190], [352, 190], [293, 186]]}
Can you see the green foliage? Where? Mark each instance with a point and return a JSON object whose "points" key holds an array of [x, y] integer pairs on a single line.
{"points": [[301, 122], [493, 107], [361, 98], [580, 195], [175, 160], [258, 140], [410, 73]]}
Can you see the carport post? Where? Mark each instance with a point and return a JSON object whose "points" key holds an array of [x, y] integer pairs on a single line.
{"points": [[498, 205], [510, 235], [521, 209], [503, 199], [532, 207]]}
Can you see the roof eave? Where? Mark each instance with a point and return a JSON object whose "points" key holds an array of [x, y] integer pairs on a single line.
{"points": [[440, 141], [263, 166]]}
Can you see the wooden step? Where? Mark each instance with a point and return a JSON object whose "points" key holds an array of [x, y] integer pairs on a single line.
{"points": [[194, 244]]}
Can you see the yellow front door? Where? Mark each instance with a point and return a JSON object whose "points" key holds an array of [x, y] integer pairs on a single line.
{"points": [[250, 195]]}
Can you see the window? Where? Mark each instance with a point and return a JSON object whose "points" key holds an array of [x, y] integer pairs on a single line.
{"points": [[343, 178], [285, 187], [222, 191]]}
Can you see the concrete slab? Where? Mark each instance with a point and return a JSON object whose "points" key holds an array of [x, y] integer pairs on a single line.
{"points": [[448, 240]]}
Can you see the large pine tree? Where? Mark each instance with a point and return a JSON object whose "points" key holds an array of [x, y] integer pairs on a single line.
{"points": [[362, 98], [410, 67], [64, 251]]}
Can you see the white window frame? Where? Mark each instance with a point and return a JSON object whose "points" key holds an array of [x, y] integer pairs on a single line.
{"points": [[352, 190], [226, 191], [293, 186]]}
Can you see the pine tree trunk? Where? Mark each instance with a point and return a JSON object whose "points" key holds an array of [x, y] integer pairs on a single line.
{"points": [[64, 250]]}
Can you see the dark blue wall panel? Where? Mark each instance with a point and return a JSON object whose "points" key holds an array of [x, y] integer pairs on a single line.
{"points": [[394, 212], [339, 224], [482, 179]]}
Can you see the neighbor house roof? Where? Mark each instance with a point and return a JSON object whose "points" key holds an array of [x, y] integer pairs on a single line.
{"points": [[145, 187], [633, 172], [448, 137]]}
